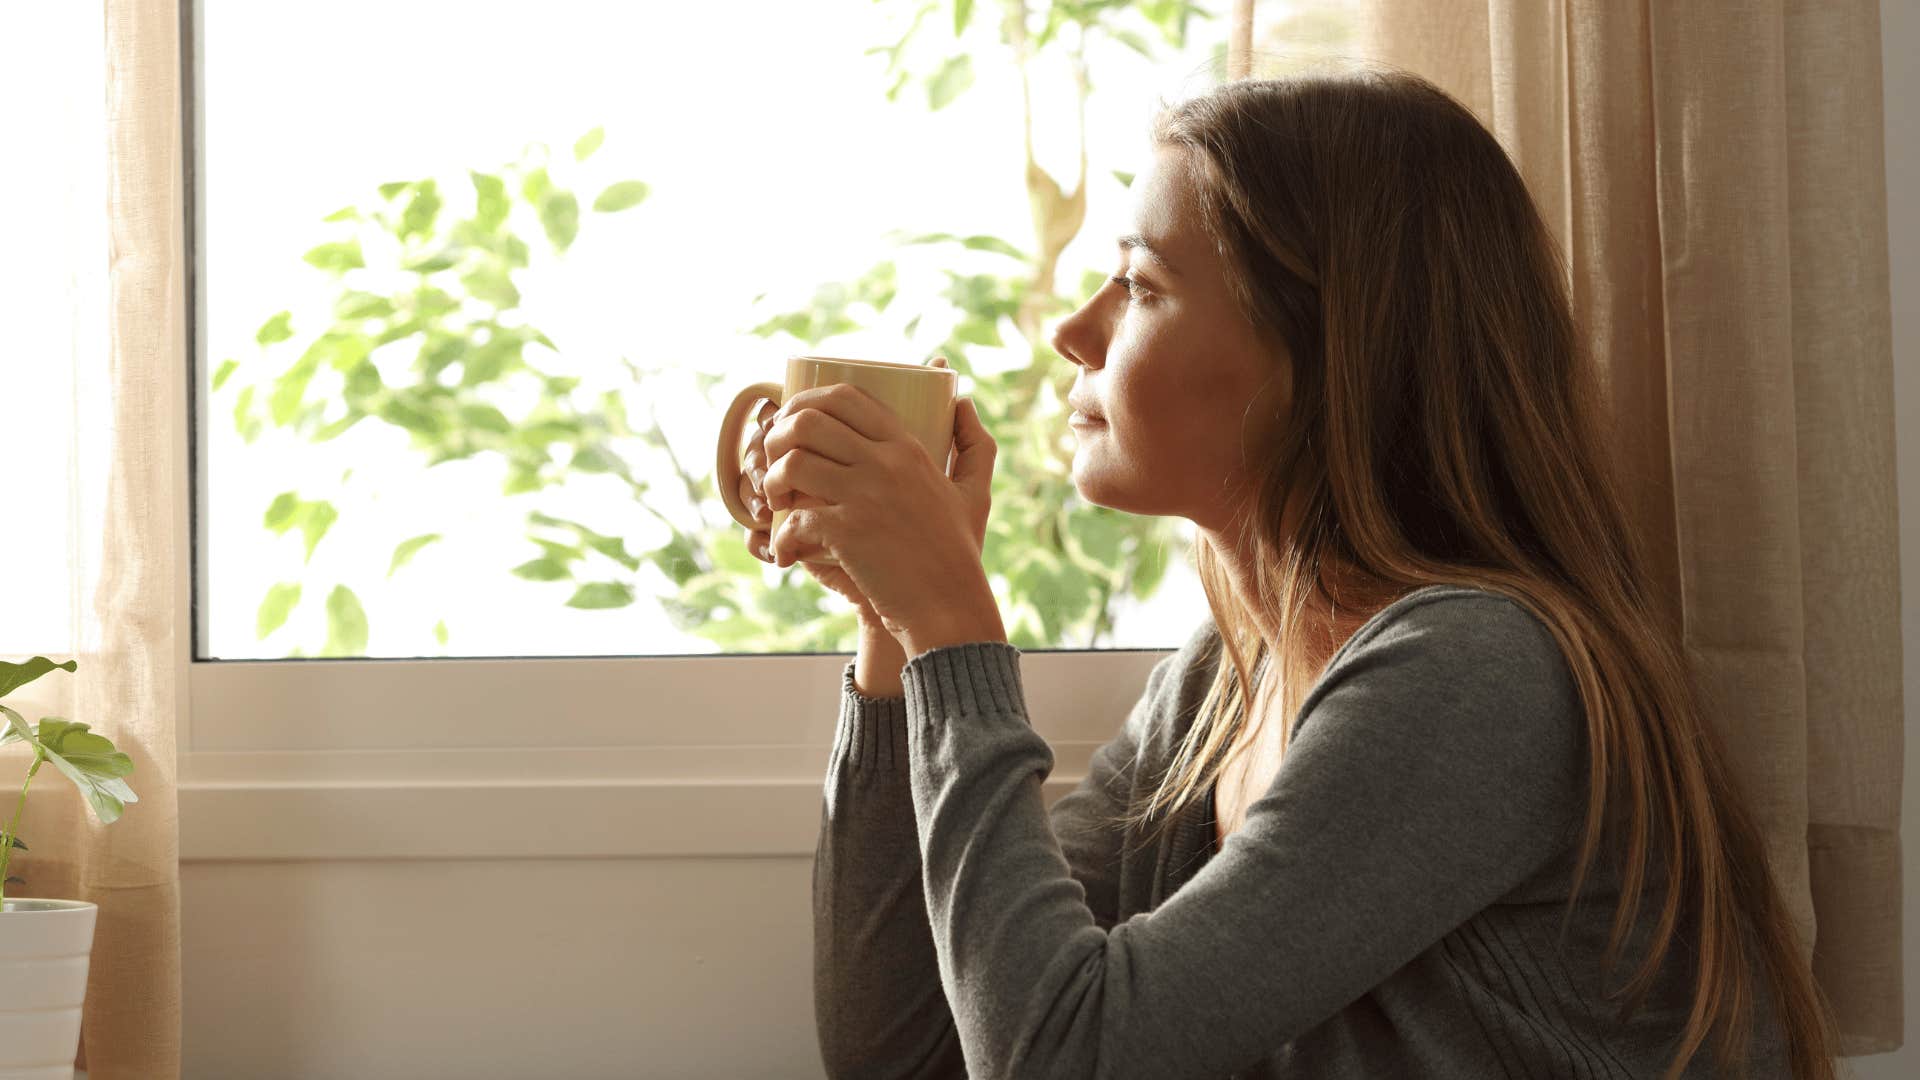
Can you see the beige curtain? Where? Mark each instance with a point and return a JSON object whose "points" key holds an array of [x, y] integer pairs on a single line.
{"points": [[116, 427], [1714, 172]]}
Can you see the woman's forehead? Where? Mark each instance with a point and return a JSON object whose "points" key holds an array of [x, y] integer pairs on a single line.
{"points": [[1166, 224]]}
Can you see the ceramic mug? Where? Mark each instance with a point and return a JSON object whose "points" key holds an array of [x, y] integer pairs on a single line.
{"points": [[922, 396]]}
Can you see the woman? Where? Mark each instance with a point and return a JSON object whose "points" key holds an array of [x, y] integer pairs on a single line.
{"points": [[1341, 345]]}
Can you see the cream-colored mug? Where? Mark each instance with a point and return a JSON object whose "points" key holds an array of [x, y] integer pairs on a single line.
{"points": [[922, 396]]}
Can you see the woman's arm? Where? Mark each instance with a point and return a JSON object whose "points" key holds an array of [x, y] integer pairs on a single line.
{"points": [[1435, 768], [879, 1004], [877, 1000]]}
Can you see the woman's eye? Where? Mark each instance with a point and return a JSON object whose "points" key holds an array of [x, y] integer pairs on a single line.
{"points": [[1128, 283]]}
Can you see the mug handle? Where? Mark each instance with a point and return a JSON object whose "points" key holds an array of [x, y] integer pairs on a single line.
{"points": [[726, 466]]}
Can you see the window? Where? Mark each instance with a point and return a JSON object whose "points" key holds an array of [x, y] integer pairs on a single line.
{"points": [[472, 284], [426, 437]]}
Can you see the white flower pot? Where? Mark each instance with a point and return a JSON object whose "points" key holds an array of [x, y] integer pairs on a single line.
{"points": [[44, 949]]}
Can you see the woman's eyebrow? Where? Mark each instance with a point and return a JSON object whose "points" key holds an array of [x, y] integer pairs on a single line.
{"points": [[1135, 240]]}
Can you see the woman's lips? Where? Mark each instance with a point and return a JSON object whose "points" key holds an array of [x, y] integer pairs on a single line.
{"points": [[1080, 419]]}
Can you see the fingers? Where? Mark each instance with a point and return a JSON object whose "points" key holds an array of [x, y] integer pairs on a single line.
{"points": [[752, 496], [859, 412], [753, 467], [758, 543], [804, 477], [818, 431], [797, 541]]}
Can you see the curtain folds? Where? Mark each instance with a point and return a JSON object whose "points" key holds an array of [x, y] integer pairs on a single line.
{"points": [[1714, 172], [120, 429]]}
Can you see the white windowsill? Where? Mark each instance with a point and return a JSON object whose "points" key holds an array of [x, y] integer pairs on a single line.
{"points": [[543, 758], [283, 811]]}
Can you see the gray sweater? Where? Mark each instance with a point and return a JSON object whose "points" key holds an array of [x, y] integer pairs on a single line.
{"points": [[1389, 908]]}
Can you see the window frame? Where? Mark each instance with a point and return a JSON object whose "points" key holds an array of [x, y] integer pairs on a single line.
{"points": [[542, 757]]}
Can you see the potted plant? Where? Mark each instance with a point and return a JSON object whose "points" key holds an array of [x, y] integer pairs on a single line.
{"points": [[45, 945]]}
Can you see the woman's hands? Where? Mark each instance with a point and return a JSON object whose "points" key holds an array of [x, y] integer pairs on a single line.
{"points": [[906, 531], [753, 493]]}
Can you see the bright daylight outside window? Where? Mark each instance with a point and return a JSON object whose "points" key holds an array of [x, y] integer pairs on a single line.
{"points": [[476, 281]]}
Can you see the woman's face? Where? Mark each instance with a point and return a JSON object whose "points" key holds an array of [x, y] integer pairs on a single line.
{"points": [[1173, 369]]}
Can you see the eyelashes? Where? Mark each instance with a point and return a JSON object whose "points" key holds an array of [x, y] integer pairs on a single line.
{"points": [[1128, 284]]}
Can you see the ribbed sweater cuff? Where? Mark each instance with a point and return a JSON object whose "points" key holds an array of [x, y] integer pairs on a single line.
{"points": [[872, 735], [978, 678]]}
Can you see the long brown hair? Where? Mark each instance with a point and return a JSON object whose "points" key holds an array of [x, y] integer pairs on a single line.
{"points": [[1378, 232]]}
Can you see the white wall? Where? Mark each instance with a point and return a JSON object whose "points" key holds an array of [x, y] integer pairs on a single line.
{"points": [[559, 969], [1899, 43], [674, 967]]}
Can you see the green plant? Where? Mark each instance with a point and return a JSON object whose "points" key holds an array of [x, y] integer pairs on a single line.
{"points": [[417, 268], [87, 759]]}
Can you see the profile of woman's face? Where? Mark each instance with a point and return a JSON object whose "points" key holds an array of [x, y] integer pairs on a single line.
{"points": [[1171, 366]]}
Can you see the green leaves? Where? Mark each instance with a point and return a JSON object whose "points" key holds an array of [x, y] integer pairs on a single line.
{"points": [[829, 312], [87, 759], [313, 518], [1134, 41], [422, 209], [288, 390], [461, 311], [559, 210], [493, 284], [535, 187], [953, 78], [484, 417], [602, 594], [613, 547], [355, 304], [403, 408], [15, 676], [542, 570], [338, 257], [977, 242], [280, 327], [92, 763], [676, 559], [432, 264], [560, 217], [17, 728], [490, 194], [621, 196], [346, 624], [244, 422], [1098, 533], [274, 610], [584, 147], [1151, 569], [405, 551]]}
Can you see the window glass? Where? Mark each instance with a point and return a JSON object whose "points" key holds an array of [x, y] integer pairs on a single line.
{"points": [[475, 281]]}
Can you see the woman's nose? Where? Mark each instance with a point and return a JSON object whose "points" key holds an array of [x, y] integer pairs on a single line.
{"points": [[1071, 339]]}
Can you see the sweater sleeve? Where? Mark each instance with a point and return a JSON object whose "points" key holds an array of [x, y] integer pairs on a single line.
{"points": [[879, 1005], [1431, 771]]}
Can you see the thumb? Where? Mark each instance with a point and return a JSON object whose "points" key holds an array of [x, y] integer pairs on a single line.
{"points": [[973, 449]]}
